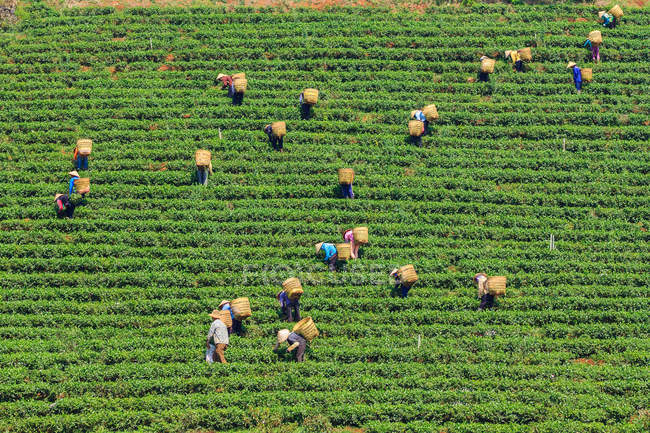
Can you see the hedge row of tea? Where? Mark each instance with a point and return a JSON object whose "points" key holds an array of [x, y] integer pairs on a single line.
{"points": [[103, 317]]}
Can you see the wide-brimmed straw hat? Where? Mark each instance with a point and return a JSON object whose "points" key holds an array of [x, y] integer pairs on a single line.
{"points": [[393, 272], [483, 57], [507, 53], [318, 246], [214, 314], [480, 274], [56, 196], [570, 65], [220, 76], [283, 334], [601, 13], [224, 302], [73, 173], [413, 113]]}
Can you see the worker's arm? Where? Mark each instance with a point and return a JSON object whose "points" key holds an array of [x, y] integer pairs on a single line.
{"points": [[210, 167], [207, 343], [293, 346], [76, 152], [71, 188]]}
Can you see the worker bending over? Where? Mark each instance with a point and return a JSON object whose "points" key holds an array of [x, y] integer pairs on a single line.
{"points": [[64, 206], [487, 300], [348, 236], [331, 255], [577, 75], [295, 341], [401, 287], [290, 307], [276, 142]]}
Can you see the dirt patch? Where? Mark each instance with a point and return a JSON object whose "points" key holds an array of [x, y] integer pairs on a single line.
{"points": [[587, 361]]}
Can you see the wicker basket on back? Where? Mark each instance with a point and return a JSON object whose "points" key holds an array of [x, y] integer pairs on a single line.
{"points": [[241, 308], [202, 158], [617, 12], [346, 176], [487, 65], [407, 275], [344, 251], [416, 128], [360, 235], [430, 112], [225, 317], [84, 146], [525, 54], [307, 328], [595, 37], [587, 74], [293, 288], [310, 96], [279, 129], [82, 185], [240, 85], [497, 286], [238, 75]]}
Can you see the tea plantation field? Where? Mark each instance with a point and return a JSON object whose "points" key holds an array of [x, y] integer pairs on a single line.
{"points": [[103, 317]]}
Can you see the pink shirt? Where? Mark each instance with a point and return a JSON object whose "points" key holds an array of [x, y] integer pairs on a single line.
{"points": [[348, 236]]}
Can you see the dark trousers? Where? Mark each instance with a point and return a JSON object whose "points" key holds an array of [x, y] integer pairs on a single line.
{"points": [[292, 311], [518, 65], [417, 140], [483, 76], [612, 23], [487, 301], [402, 289], [578, 85], [305, 111], [82, 162], [276, 142], [236, 327], [300, 351], [346, 189], [237, 98], [67, 212], [426, 127], [202, 176], [331, 262]]}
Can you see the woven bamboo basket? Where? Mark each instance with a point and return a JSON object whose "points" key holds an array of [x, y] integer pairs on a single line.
{"points": [[617, 12], [307, 328], [310, 96], [241, 308], [430, 112], [526, 54], [293, 288], [487, 65], [225, 317], [344, 251], [346, 176], [415, 128], [82, 185], [279, 129], [497, 285], [407, 275], [238, 76], [240, 85], [587, 74], [202, 157], [360, 234], [84, 146], [596, 37]]}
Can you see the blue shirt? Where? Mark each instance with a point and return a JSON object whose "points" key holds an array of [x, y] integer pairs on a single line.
{"points": [[227, 307], [329, 249], [71, 189], [577, 75], [419, 115], [286, 301]]}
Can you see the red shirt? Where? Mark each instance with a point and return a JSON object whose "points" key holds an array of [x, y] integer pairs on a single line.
{"points": [[226, 80]]}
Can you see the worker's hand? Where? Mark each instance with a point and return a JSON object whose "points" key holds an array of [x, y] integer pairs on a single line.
{"points": [[289, 349]]}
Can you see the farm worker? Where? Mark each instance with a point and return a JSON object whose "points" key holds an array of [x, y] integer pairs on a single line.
{"points": [[81, 161], [608, 20], [595, 50], [483, 76], [294, 340], [236, 324], [348, 236], [346, 189], [577, 75], [419, 115], [290, 307], [276, 142], [217, 341], [331, 255], [64, 207], [226, 83], [73, 176], [516, 59], [400, 287], [202, 173], [487, 300], [305, 109]]}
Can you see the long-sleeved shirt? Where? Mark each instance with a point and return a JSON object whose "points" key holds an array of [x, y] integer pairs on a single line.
{"points": [[226, 80], [227, 307], [296, 339], [218, 332], [482, 285], [419, 115], [329, 249], [71, 188], [577, 75], [607, 18], [285, 301], [62, 202], [514, 55]]}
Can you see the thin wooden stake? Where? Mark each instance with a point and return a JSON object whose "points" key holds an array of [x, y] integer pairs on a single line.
{"points": [[219, 133], [150, 44], [564, 145], [419, 340]]}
